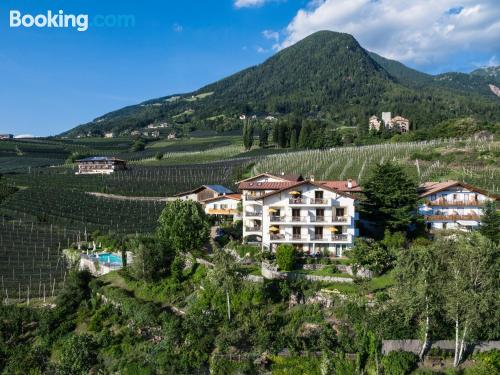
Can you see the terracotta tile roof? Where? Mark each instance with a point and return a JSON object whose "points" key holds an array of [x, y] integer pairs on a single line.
{"points": [[250, 185], [236, 197], [429, 188], [339, 187], [283, 177]]}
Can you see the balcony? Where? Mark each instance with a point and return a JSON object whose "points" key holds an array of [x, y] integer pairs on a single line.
{"points": [[277, 237], [319, 237], [309, 201], [277, 219], [451, 217], [222, 211], [340, 219], [253, 229], [252, 197], [298, 219], [340, 237], [319, 219], [253, 214], [447, 203]]}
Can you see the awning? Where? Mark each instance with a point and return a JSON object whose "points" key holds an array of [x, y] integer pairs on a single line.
{"points": [[468, 223]]}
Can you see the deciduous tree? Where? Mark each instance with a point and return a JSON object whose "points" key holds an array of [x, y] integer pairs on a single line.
{"points": [[184, 226]]}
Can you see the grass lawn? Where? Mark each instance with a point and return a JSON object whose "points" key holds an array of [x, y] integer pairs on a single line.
{"points": [[327, 271]]}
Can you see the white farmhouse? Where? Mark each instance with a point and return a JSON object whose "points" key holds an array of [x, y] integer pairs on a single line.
{"points": [[452, 205], [223, 207]]}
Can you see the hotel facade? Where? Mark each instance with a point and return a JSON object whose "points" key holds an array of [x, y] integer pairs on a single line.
{"points": [[452, 205], [314, 216]]}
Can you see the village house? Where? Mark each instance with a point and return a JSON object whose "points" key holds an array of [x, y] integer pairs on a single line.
{"points": [[172, 136], [397, 124], [314, 216], [400, 124], [374, 123], [6, 136], [100, 165], [243, 117], [109, 135], [452, 205], [223, 207], [204, 192]]}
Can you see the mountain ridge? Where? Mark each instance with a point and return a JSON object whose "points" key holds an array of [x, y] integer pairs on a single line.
{"points": [[328, 76]]}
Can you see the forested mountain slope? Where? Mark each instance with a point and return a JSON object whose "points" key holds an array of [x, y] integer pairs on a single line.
{"points": [[327, 75]]}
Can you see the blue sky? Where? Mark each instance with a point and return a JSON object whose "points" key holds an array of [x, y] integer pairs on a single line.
{"points": [[54, 79]]}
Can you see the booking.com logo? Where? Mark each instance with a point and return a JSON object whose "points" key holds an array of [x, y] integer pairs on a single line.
{"points": [[80, 22]]}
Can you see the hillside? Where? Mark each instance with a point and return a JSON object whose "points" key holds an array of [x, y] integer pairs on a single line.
{"points": [[328, 76]]}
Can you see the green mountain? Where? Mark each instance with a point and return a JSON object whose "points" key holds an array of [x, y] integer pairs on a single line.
{"points": [[328, 76]]}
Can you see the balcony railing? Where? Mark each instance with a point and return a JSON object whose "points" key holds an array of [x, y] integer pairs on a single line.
{"points": [[252, 197], [279, 236], [297, 201], [319, 219], [253, 229], [340, 237], [277, 219], [451, 217], [222, 211], [253, 214], [319, 201], [298, 219], [311, 201], [299, 237], [444, 202], [340, 219]]}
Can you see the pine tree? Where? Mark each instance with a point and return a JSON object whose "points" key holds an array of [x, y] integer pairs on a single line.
{"points": [[391, 198], [490, 222]]}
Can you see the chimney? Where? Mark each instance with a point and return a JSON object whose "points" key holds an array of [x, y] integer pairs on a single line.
{"points": [[311, 178], [349, 183]]}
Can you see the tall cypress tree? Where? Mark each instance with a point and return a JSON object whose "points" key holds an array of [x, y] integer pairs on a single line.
{"points": [[293, 139], [263, 136], [302, 143]]}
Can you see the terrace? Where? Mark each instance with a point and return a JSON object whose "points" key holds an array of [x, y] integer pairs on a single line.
{"points": [[446, 203], [451, 217]]}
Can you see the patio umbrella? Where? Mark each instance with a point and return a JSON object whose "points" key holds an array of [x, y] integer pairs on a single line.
{"points": [[295, 192], [333, 229], [273, 210], [274, 229]]}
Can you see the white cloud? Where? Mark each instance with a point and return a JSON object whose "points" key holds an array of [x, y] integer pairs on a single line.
{"points": [[417, 31], [249, 3], [260, 49], [271, 35]]}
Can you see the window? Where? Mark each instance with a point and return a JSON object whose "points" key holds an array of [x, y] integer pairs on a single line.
{"points": [[318, 233], [340, 211], [295, 212], [318, 194]]}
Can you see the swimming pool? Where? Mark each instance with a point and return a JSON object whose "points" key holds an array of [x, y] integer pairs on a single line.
{"points": [[107, 258]]}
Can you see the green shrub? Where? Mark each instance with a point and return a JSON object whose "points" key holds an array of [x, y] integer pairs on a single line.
{"points": [[286, 256], [399, 363], [481, 368], [491, 357]]}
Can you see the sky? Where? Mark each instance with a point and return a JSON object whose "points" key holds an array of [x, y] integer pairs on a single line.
{"points": [[52, 79]]}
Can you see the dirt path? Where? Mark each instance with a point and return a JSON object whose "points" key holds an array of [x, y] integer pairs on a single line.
{"points": [[125, 198]]}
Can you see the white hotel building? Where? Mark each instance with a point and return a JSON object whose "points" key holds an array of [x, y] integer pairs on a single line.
{"points": [[314, 216], [452, 205]]}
